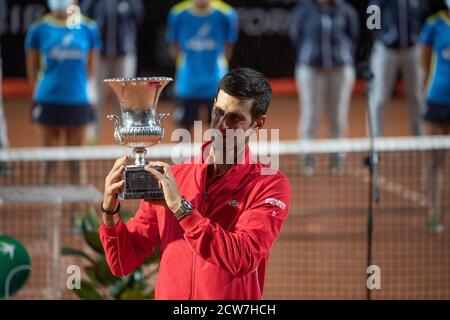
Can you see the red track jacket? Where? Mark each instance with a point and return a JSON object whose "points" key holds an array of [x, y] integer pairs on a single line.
{"points": [[221, 250]]}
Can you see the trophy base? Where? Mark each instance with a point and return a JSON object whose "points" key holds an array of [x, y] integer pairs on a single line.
{"points": [[140, 184]]}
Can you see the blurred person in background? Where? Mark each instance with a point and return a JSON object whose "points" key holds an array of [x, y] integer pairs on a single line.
{"points": [[435, 53], [201, 35], [4, 142], [61, 54], [118, 22], [395, 49], [324, 34]]}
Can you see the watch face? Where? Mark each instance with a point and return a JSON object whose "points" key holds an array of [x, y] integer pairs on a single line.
{"points": [[187, 205]]}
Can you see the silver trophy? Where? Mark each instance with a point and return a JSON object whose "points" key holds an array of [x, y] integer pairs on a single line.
{"points": [[139, 129]]}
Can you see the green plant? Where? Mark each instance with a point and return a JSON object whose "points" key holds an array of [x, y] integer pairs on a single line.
{"points": [[100, 283]]}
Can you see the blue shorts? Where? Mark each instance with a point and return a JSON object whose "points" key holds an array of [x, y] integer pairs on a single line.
{"points": [[186, 110], [63, 115], [437, 113]]}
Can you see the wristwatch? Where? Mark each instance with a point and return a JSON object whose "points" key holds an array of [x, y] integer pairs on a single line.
{"points": [[184, 210]]}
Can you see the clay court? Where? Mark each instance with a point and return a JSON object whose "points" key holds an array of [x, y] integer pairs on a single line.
{"points": [[322, 251]]}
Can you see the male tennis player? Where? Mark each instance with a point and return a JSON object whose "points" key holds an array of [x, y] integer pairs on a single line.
{"points": [[219, 220]]}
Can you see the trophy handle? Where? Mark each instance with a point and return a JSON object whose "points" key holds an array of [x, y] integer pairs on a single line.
{"points": [[116, 120], [161, 117]]}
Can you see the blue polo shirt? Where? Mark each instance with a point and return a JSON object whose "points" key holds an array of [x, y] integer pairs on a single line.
{"points": [[64, 54], [436, 34], [201, 38]]}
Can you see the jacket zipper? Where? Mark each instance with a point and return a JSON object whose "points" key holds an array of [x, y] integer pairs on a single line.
{"points": [[205, 194]]}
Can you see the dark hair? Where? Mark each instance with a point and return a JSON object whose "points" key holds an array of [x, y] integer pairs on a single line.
{"points": [[248, 84]]}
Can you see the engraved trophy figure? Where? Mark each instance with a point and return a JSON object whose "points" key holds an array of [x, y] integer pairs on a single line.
{"points": [[139, 128]]}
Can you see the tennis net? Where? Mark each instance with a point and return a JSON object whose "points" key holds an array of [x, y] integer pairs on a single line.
{"points": [[322, 250]]}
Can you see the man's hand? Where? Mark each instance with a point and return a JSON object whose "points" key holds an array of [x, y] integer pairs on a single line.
{"points": [[114, 184], [171, 194]]}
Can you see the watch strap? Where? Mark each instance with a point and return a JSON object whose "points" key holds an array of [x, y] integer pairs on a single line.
{"points": [[110, 212], [182, 213]]}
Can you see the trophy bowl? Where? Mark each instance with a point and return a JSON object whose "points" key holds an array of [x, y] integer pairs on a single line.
{"points": [[139, 127]]}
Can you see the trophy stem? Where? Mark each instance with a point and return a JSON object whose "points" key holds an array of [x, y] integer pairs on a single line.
{"points": [[139, 156]]}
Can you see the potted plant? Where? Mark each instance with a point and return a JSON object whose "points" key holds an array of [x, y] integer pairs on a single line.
{"points": [[100, 283]]}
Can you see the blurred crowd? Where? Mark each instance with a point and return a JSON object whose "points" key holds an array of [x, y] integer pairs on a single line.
{"points": [[409, 41], [326, 35]]}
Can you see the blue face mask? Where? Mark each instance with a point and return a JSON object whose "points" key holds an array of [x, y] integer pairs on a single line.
{"points": [[59, 5], [447, 2]]}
